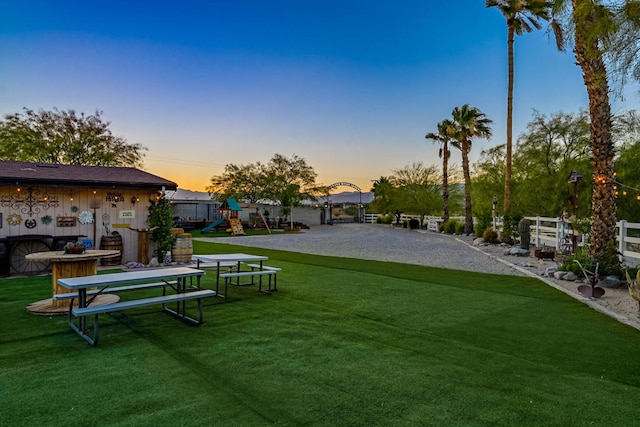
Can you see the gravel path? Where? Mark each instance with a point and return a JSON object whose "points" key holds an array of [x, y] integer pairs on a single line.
{"points": [[385, 243], [380, 243]]}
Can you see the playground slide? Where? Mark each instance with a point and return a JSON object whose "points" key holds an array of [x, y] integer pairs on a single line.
{"points": [[211, 226]]}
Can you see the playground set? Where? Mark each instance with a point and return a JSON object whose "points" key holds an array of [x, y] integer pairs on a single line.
{"points": [[229, 219]]}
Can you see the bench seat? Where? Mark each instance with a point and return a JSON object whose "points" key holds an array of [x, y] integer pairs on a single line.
{"points": [[271, 272], [124, 305], [179, 312]]}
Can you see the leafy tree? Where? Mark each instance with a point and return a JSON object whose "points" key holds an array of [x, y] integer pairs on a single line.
{"points": [[628, 179], [522, 16], [160, 221], [444, 139], [595, 25], [547, 153], [288, 181], [242, 182], [488, 180], [468, 123], [417, 189], [65, 137]]}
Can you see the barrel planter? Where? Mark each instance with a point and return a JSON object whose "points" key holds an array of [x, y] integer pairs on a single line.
{"points": [[112, 242], [182, 249]]}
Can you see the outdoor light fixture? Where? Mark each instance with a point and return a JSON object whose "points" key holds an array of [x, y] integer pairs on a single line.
{"points": [[575, 177], [134, 199]]}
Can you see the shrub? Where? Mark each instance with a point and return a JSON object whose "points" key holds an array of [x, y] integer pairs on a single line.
{"points": [[459, 228], [490, 235], [387, 219], [414, 224], [609, 266], [510, 227], [450, 226]]}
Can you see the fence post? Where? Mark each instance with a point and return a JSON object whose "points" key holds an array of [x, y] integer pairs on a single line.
{"points": [[622, 233], [537, 232]]}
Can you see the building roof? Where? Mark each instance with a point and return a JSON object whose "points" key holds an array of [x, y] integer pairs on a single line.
{"points": [[182, 195], [64, 176], [231, 204]]}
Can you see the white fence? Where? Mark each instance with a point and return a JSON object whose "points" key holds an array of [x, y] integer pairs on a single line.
{"points": [[554, 232], [551, 232]]}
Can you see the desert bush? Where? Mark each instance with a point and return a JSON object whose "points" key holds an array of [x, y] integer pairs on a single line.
{"points": [[450, 226], [490, 235]]}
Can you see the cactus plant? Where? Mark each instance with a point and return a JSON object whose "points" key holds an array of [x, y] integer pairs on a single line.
{"points": [[524, 228]]}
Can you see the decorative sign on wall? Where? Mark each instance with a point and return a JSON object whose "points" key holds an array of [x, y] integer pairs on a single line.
{"points": [[127, 214], [114, 197], [66, 221]]}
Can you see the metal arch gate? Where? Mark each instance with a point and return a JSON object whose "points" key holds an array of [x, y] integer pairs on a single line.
{"points": [[328, 202]]}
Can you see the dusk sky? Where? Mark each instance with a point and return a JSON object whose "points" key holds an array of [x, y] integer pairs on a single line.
{"points": [[351, 86]]}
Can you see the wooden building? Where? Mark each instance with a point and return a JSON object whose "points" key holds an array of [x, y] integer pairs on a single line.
{"points": [[42, 206]]}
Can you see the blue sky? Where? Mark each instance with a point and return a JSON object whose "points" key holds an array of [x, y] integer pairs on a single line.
{"points": [[351, 86]]}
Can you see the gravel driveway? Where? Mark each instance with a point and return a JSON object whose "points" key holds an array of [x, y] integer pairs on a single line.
{"points": [[381, 243]]}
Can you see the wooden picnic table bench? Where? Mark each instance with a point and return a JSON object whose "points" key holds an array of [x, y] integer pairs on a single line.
{"points": [[171, 278]]}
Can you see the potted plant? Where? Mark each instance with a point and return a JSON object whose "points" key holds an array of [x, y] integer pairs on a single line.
{"points": [[74, 248]]}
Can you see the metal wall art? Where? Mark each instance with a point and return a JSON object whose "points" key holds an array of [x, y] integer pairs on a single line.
{"points": [[31, 203], [14, 219], [114, 197]]}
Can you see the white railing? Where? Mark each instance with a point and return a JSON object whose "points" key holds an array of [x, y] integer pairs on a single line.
{"points": [[628, 246]]}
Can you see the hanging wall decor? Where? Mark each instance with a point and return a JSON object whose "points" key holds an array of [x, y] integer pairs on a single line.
{"points": [[85, 217], [46, 219], [31, 203], [14, 219], [30, 223], [66, 221]]}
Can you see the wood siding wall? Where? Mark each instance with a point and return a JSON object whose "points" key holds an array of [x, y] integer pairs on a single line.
{"points": [[110, 215]]}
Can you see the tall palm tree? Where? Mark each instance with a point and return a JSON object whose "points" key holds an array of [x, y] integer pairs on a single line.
{"points": [[595, 24], [468, 123], [523, 16], [443, 138]]}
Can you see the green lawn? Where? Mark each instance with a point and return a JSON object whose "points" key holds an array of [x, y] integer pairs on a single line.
{"points": [[344, 342]]}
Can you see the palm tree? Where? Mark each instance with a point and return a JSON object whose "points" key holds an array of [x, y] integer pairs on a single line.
{"points": [[443, 138], [522, 16], [468, 123], [595, 24]]}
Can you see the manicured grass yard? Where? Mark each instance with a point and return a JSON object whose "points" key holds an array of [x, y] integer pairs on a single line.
{"points": [[344, 342]]}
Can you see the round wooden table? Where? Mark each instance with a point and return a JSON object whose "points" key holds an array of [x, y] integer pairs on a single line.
{"points": [[68, 265]]}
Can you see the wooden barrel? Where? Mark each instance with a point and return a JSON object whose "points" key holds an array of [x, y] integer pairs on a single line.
{"points": [[113, 242], [182, 250]]}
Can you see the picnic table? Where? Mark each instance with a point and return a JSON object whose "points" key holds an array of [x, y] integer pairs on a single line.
{"points": [[232, 263], [86, 289]]}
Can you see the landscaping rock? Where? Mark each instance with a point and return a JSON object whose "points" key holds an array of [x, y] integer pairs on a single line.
{"points": [[550, 271], [570, 276], [610, 282], [519, 252], [479, 241], [560, 275]]}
